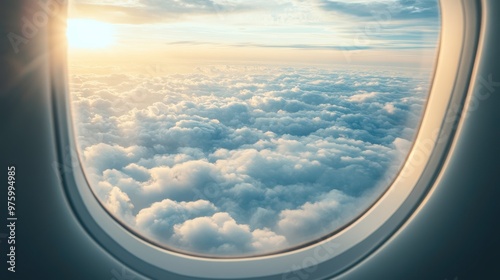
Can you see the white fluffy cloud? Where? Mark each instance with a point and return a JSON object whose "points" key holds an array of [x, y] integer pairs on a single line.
{"points": [[159, 219], [220, 234], [321, 216], [232, 161]]}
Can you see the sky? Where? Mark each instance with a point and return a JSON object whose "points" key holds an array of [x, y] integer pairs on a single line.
{"points": [[241, 128], [396, 33]]}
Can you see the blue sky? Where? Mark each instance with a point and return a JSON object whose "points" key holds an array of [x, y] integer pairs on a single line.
{"points": [[322, 30]]}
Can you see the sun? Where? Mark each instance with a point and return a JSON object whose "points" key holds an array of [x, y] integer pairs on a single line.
{"points": [[89, 34]]}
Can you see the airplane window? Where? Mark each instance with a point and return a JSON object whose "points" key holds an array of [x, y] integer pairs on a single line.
{"points": [[244, 128]]}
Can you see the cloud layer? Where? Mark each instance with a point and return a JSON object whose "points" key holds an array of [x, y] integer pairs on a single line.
{"points": [[233, 161]]}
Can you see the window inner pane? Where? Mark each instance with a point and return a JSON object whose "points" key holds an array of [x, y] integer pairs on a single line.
{"points": [[237, 128]]}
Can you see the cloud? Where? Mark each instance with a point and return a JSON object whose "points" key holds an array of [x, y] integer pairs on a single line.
{"points": [[159, 219], [338, 47], [389, 107], [361, 97], [221, 235], [150, 11], [393, 9], [231, 161], [119, 204], [317, 217], [104, 156], [196, 226]]}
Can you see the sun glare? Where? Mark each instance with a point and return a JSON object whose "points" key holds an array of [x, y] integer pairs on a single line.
{"points": [[89, 34]]}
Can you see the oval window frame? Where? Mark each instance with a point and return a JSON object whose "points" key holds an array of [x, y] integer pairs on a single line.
{"points": [[460, 25]]}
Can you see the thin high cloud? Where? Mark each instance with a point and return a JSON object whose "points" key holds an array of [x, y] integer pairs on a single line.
{"points": [[151, 11], [295, 24], [233, 161], [395, 9], [284, 46]]}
